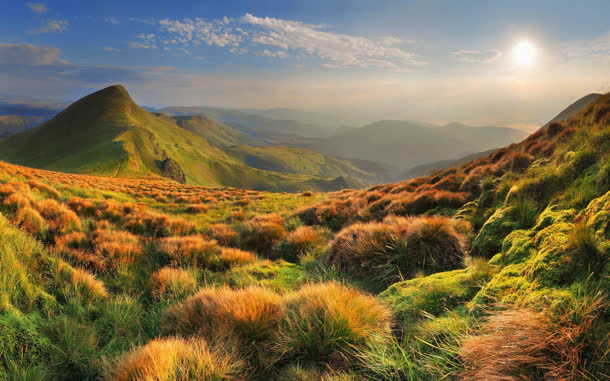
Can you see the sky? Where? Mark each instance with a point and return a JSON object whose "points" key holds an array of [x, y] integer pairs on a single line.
{"points": [[509, 63]]}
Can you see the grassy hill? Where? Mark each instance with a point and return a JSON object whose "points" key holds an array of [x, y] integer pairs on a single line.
{"points": [[300, 160], [107, 133], [494, 269]]}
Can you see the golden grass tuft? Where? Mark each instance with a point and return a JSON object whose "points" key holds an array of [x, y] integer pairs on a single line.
{"points": [[260, 233], [30, 220], [87, 285], [172, 282], [327, 322], [116, 246], [230, 257], [251, 314], [61, 219], [190, 250], [224, 234], [176, 359]]}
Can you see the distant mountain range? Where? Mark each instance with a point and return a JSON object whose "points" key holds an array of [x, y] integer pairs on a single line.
{"points": [[403, 144]]}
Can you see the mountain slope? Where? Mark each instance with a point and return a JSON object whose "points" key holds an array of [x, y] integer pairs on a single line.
{"points": [[107, 133], [300, 160]]}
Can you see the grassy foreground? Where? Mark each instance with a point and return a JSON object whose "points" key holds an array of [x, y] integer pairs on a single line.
{"points": [[497, 269]]}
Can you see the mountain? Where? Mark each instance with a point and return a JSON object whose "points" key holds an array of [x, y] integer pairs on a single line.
{"points": [[107, 133], [403, 144]]}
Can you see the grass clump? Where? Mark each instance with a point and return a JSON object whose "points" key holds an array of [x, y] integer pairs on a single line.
{"points": [[190, 250], [230, 257], [298, 242], [328, 322], [175, 359], [251, 314], [171, 283], [260, 236], [398, 248], [29, 220]]}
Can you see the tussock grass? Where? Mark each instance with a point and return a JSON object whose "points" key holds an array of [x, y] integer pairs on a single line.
{"points": [[328, 322], [176, 359]]}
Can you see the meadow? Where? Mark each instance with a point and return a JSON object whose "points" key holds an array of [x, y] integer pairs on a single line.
{"points": [[493, 270]]}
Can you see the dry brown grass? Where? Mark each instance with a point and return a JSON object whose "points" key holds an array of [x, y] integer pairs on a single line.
{"points": [[398, 247], [259, 234], [176, 359], [116, 246], [30, 220], [251, 314], [327, 322], [60, 219], [224, 234], [197, 208], [172, 282], [190, 250], [87, 285], [230, 257], [298, 242]]}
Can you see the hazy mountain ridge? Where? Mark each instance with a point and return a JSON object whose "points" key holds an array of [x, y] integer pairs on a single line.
{"points": [[403, 144]]}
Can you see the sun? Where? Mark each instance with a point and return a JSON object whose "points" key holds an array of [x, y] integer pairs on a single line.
{"points": [[524, 54]]}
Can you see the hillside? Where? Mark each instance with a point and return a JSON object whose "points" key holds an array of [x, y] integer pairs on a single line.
{"points": [[403, 144], [301, 160], [495, 269], [107, 133]]}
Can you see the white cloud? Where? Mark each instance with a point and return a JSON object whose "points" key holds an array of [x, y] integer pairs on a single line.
{"points": [[274, 54], [52, 26], [338, 50], [142, 45], [286, 38], [31, 55], [148, 41], [596, 48], [143, 21], [111, 49], [195, 32], [111, 20], [477, 56], [37, 7]]}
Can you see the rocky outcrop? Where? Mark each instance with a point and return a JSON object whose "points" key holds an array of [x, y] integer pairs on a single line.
{"points": [[171, 169]]}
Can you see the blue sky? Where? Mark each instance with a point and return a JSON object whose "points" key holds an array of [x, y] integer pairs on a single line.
{"points": [[429, 60]]}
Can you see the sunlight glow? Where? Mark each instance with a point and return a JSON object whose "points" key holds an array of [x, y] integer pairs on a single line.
{"points": [[524, 54]]}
